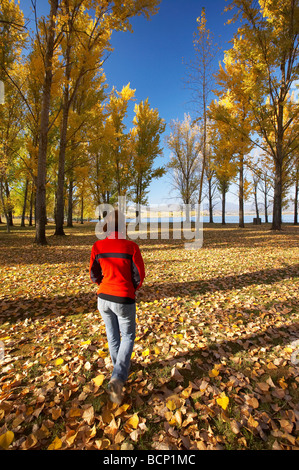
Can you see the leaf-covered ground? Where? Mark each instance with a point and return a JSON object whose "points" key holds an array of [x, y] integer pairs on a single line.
{"points": [[214, 363]]}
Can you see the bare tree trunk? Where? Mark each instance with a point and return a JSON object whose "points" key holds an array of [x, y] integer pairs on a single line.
{"points": [[41, 219], [241, 192], [62, 149], [4, 208], [82, 208], [210, 201], [31, 204], [223, 206], [70, 204], [204, 148], [24, 204], [9, 210], [256, 201], [278, 159], [276, 222], [67, 101], [266, 202], [61, 167], [296, 202]]}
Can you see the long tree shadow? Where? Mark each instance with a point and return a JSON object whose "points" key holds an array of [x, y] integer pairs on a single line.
{"points": [[19, 248], [226, 349], [225, 283], [13, 309]]}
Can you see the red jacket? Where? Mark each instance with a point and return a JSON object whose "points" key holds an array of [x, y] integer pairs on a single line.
{"points": [[116, 265]]}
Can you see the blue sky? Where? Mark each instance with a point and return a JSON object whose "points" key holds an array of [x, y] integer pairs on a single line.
{"points": [[152, 60]]}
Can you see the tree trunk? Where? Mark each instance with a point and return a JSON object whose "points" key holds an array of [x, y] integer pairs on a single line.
{"points": [[31, 204], [204, 148], [276, 222], [266, 202], [9, 210], [256, 201], [187, 211], [223, 206], [296, 203], [82, 209], [40, 234], [278, 158], [210, 201], [241, 192], [4, 208], [24, 204], [61, 166], [67, 101], [10, 216], [70, 205]]}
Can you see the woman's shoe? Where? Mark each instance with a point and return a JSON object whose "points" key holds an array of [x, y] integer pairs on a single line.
{"points": [[115, 390]]}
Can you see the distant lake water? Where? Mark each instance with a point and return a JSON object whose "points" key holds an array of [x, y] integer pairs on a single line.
{"points": [[234, 219], [217, 219]]}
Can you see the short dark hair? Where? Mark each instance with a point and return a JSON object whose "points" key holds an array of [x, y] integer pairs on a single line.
{"points": [[115, 221]]}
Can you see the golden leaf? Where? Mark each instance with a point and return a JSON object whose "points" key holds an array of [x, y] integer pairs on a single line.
{"points": [[6, 439], [178, 336], [133, 421], [102, 444], [98, 380], [107, 416], [283, 383], [171, 405], [56, 444], [213, 373], [112, 428], [75, 412], [29, 410], [120, 437], [170, 418], [223, 401], [178, 417], [122, 409], [70, 437], [252, 422], [59, 361], [186, 392], [102, 354], [126, 446]]}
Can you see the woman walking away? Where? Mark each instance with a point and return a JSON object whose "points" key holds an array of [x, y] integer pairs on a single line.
{"points": [[116, 265]]}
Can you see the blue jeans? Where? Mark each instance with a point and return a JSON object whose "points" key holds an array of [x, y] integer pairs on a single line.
{"points": [[120, 323]]}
